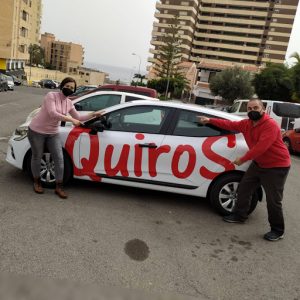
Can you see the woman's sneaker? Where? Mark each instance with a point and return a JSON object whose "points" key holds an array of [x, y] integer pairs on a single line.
{"points": [[273, 236]]}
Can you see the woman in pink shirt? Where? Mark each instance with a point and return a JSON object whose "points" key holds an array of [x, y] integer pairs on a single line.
{"points": [[43, 131]]}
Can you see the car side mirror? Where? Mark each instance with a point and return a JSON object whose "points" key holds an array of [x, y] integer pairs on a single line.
{"points": [[78, 106], [96, 127]]}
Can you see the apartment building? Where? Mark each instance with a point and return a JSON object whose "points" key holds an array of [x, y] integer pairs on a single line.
{"points": [[63, 56], [20, 22], [220, 34]]}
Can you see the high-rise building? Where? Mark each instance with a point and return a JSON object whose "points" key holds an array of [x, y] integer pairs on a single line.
{"points": [[219, 34], [63, 56], [20, 22]]}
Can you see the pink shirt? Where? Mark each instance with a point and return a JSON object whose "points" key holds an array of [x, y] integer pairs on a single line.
{"points": [[52, 112]]}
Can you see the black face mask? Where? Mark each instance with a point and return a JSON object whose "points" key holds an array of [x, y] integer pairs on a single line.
{"points": [[67, 92], [254, 115]]}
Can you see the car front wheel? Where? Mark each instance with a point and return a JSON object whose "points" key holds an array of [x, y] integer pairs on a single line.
{"points": [[47, 173], [223, 194]]}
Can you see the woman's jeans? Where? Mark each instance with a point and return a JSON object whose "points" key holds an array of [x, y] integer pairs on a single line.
{"points": [[38, 141]]}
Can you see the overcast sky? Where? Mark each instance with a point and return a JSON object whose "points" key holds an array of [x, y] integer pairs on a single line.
{"points": [[111, 30]]}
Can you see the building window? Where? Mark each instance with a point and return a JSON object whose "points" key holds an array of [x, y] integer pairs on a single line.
{"points": [[166, 11], [24, 15], [184, 3], [274, 20], [183, 13], [24, 32], [22, 48]]}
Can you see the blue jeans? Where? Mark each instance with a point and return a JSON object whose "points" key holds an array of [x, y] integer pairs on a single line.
{"points": [[38, 141]]}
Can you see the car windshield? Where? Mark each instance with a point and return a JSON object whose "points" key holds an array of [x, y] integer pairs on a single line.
{"points": [[234, 107]]}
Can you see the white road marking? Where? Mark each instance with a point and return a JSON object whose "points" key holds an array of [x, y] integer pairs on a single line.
{"points": [[11, 103], [3, 138]]}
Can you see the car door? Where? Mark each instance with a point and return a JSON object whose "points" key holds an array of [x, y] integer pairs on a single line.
{"points": [[126, 151], [98, 102], [296, 140], [198, 152]]}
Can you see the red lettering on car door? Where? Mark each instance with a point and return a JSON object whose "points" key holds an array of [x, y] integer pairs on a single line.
{"points": [[88, 165], [217, 158], [121, 165], [190, 163]]}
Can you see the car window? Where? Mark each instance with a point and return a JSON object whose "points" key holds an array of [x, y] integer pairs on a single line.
{"points": [[243, 107], [145, 119], [98, 102], [234, 107], [132, 98], [187, 125]]}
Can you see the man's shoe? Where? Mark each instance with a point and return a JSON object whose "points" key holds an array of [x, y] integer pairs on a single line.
{"points": [[233, 218], [273, 236]]}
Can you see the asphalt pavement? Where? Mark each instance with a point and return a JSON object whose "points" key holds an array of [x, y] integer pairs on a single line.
{"points": [[152, 242]]}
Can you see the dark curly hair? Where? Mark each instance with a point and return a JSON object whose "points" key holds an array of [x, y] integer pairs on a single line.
{"points": [[67, 80]]}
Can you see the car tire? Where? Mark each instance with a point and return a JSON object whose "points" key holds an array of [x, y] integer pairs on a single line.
{"points": [[288, 144], [223, 194], [47, 170]]}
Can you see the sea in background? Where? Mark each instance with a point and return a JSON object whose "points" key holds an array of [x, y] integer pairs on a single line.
{"points": [[125, 75]]}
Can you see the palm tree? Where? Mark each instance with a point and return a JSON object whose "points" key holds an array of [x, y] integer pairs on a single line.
{"points": [[140, 76], [296, 55]]}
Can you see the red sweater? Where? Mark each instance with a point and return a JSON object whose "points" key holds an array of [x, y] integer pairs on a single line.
{"points": [[264, 140]]}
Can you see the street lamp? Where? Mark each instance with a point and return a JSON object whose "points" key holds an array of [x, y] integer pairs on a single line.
{"points": [[140, 61]]}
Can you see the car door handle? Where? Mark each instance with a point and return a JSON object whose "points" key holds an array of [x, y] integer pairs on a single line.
{"points": [[148, 145]]}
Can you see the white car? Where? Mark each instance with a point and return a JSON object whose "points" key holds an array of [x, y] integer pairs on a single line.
{"points": [[10, 83], [151, 145], [100, 100]]}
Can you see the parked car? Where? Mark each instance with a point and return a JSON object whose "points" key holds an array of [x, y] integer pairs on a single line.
{"points": [[48, 83], [10, 83], [3, 83], [291, 139], [286, 114], [100, 100], [156, 145], [125, 88], [83, 89], [17, 81]]}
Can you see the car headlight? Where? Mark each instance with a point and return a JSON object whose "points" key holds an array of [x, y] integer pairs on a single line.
{"points": [[21, 133]]}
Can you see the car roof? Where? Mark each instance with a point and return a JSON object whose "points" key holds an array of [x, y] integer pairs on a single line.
{"points": [[113, 93], [187, 106]]}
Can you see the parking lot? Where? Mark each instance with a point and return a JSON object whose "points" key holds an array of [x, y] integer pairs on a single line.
{"points": [[139, 239]]}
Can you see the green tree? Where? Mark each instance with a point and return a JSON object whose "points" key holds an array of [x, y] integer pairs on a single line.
{"points": [[232, 83], [168, 60], [140, 77], [36, 55], [295, 73], [274, 82]]}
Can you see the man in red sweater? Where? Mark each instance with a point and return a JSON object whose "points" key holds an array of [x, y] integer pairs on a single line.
{"points": [[269, 168]]}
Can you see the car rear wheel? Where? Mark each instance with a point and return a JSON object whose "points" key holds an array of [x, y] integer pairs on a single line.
{"points": [[223, 194], [47, 173]]}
